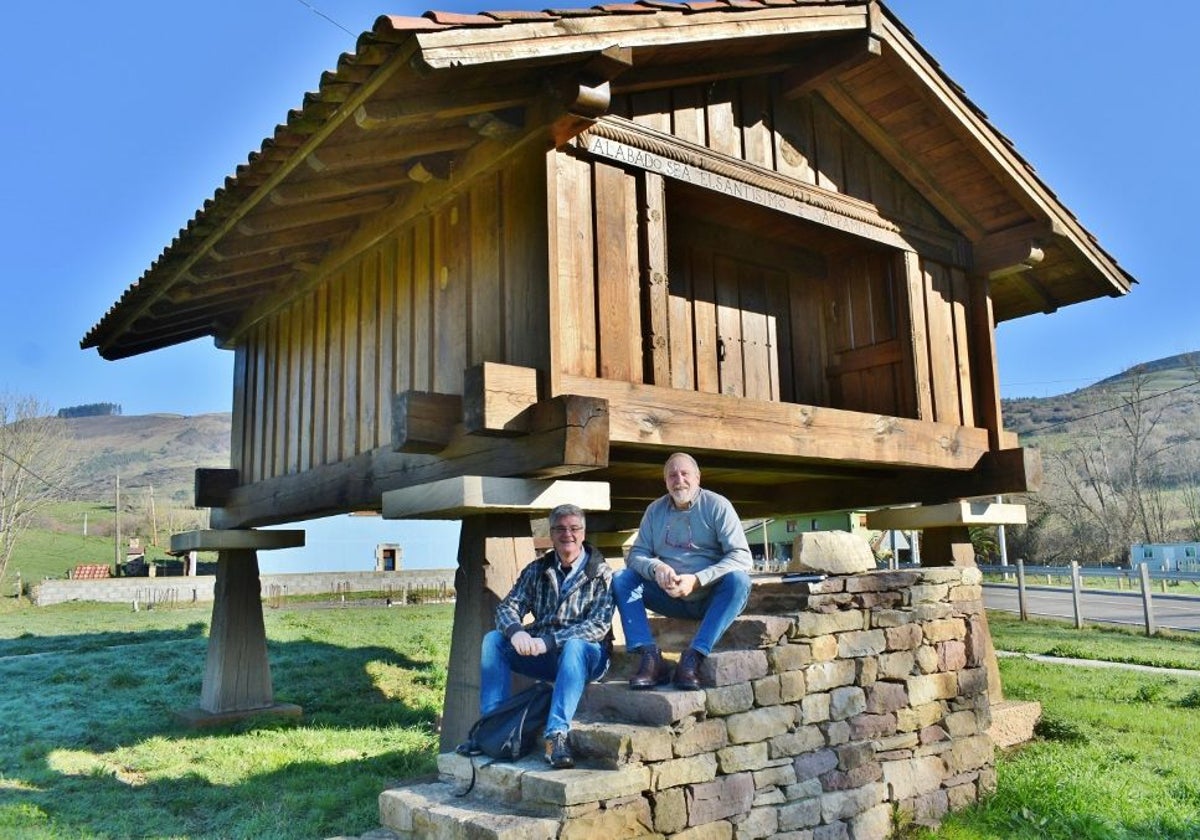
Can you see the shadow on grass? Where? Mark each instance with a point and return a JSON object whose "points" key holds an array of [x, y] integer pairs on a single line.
{"points": [[90, 746]]}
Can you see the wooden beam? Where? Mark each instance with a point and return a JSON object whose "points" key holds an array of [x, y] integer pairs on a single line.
{"points": [[472, 495], [999, 255], [998, 473], [496, 399], [827, 61], [454, 104], [213, 486], [370, 153], [665, 419], [946, 515], [518, 43], [569, 435], [425, 422], [347, 184]]}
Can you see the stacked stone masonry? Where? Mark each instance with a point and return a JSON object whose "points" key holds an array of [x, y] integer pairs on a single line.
{"points": [[828, 709]]}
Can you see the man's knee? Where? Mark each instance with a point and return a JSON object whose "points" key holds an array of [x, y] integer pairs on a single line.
{"points": [[735, 586], [624, 582]]}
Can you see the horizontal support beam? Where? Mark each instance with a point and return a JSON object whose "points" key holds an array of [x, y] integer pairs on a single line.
{"points": [[570, 436], [667, 419], [1005, 472], [468, 495], [235, 540], [951, 515]]}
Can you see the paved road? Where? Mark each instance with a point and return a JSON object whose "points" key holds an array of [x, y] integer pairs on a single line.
{"points": [[1177, 612]]}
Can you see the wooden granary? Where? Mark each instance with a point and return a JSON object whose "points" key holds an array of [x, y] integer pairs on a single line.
{"points": [[495, 253]]}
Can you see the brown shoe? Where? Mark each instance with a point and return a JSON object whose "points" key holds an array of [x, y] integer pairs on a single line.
{"points": [[652, 671], [687, 677]]}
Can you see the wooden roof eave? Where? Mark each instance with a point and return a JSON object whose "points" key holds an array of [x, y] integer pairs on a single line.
{"points": [[995, 149], [539, 42], [125, 313]]}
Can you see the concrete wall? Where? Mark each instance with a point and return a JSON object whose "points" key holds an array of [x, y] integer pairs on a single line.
{"points": [[147, 590]]}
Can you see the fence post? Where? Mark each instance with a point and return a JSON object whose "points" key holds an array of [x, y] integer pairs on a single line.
{"points": [[1022, 607], [1075, 586], [1147, 603]]}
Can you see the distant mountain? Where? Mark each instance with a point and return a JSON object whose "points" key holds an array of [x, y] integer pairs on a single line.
{"points": [[1168, 389], [159, 451]]}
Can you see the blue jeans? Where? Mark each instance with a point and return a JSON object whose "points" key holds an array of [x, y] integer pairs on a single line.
{"points": [[570, 668], [723, 601]]}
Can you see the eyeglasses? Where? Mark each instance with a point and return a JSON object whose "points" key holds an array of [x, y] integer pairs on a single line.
{"points": [[567, 529], [679, 532]]}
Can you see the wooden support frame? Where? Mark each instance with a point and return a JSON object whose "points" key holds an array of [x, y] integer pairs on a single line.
{"points": [[237, 675]]}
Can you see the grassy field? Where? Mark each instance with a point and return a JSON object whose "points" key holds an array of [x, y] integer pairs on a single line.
{"points": [[89, 749]]}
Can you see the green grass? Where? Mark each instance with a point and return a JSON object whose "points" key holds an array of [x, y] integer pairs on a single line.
{"points": [[59, 545], [89, 748], [1104, 642], [1116, 759]]}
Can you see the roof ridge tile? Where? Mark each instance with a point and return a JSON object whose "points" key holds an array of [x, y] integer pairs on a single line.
{"points": [[460, 19]]}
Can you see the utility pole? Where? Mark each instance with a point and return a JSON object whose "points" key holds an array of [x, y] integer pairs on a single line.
{"points": [[117, 532], [153, 517]]}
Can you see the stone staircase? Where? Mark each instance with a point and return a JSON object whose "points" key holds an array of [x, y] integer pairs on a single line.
{"points": [[824, 708], [625, 742]]}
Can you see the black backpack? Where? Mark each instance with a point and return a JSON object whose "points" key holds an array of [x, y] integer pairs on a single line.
{"points": [[512, 729]]}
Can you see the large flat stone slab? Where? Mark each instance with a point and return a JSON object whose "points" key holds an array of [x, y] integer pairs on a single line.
{"points": [[454, 498], [235, 540]]}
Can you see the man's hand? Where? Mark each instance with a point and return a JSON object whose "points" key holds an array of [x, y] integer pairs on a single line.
{"points": [[684, 585], [673, 583], [527, 645]]}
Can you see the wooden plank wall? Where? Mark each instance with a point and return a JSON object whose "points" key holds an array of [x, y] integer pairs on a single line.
{"points": [[941, 299], [465, 284], [803, 139]]}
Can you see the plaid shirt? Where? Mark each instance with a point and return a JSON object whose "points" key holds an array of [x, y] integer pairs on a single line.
{"points": [[583, 611]]}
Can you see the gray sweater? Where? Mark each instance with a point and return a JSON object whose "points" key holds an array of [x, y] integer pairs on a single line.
{"points": [[706, 540]]}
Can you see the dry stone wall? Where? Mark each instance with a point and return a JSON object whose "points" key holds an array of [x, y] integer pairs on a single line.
{"points": [[826, 708]]}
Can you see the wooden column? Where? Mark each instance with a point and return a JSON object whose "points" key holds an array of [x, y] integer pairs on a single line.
{"points": [[237, 675], [492, 549]]}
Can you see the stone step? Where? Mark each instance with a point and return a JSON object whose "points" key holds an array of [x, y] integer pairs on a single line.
{"points": [[433, 811], [748, 632], [720, 668], [531, 786]]}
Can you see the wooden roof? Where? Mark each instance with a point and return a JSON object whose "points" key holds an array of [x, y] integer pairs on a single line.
{"points": [[421, 97]]}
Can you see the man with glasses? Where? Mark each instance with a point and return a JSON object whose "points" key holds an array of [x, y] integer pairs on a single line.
{"points": [[690, 560], [569, 641]]}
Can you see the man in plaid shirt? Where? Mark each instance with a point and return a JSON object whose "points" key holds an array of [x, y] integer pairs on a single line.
{"points": [[569, 641]]}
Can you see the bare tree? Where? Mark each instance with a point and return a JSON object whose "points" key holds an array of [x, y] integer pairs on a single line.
{"points": [[33, 466], [1106, 485]]}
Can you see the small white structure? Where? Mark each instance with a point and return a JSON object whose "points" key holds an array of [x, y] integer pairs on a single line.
{"points": [[389, 557], [1166, 557]]}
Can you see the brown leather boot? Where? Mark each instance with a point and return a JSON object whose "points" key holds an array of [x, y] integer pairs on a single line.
{"points": [[687, 677], [652, 670]]}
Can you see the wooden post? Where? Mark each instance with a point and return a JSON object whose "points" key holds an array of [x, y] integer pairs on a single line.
{"points": [[1147, 603], [237, 676], [492, 549], [1076, 584], [1022, 605]]}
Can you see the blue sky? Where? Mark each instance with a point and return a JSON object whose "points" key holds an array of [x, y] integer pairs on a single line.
{"points": [[124, 117]]}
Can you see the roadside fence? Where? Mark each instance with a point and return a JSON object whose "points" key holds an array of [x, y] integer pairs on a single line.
{"points": [[1075, 573]]}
